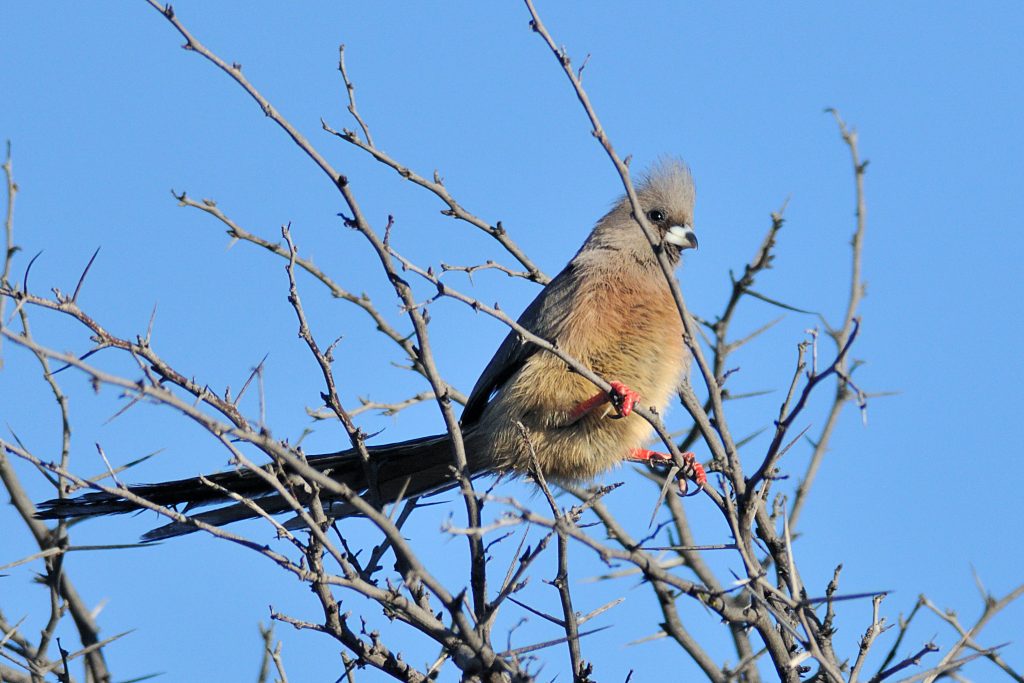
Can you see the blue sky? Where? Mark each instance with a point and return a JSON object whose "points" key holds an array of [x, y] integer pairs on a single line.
{"points": [[106, 114]]}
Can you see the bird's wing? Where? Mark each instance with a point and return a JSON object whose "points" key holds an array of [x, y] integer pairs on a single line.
{"points": [[543, 317]]}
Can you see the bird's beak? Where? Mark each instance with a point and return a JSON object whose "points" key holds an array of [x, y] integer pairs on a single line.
{"points": [[682, 236]]}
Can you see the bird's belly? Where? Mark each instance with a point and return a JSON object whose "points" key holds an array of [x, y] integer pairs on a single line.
{"points": [[532, 419]]}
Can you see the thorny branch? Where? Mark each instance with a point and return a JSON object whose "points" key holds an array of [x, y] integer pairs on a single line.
{"points": [[751, 508], [841, 335], [581, 670], [765, 608], [361, 223], [64, 597], [363, 301]]}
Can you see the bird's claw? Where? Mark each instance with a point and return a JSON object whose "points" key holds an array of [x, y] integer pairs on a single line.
{"points": [[623, 399], [697, 472]]}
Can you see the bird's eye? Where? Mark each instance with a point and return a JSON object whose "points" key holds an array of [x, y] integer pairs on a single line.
{"points": [[655, 215]]}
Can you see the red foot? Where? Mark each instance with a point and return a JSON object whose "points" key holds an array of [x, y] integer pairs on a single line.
{"points": [[622, 398], [699, 475]]}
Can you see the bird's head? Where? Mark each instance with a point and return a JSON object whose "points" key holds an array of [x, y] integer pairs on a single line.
{"points": [[667, 196]]}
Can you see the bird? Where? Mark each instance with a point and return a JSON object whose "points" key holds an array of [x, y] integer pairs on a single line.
{"points": [[611, 308]]}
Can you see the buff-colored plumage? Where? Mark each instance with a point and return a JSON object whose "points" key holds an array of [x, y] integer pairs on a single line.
{"points": [[610, 308]]}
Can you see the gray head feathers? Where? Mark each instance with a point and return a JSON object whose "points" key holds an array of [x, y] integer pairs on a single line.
{"points": [[668, 182], [666, 195]]}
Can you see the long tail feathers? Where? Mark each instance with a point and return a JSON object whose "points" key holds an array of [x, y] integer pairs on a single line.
{"points": [[403, 470]]}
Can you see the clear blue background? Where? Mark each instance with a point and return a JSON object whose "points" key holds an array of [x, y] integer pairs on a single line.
{"points": [[106, 114]]}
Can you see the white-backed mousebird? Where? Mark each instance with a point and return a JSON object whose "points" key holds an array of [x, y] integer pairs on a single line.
{"points": [[610, 307]]}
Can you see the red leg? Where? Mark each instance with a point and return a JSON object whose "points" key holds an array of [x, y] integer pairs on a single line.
{"points": [[645, 455], [621, 397]]}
